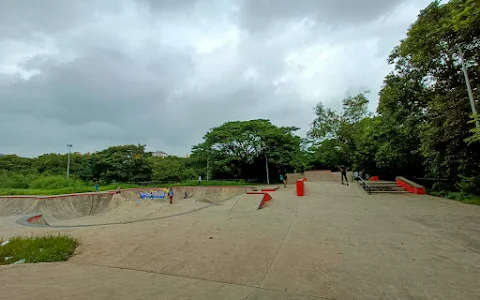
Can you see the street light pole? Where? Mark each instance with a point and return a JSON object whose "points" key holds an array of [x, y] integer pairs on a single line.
{"points": [[266, 167], [208, 169], [68, 161], [469, 88]]}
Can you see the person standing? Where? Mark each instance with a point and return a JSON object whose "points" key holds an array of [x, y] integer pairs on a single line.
{"points": [[97, 186], [199, 180], [344, 170], [282, 179], [170, 195]]}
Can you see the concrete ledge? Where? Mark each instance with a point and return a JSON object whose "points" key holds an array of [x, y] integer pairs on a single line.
{"points": [[410, 186]]}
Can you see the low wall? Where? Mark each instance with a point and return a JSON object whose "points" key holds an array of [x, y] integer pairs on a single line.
{"points": [[292, 177], [326, 175], [410, 186]]}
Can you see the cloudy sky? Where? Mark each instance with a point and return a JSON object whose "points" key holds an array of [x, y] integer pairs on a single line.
{"points": [[163, 72]]}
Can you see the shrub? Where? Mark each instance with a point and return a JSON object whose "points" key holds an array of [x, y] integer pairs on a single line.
{"points": [[54, 182], [469, 185]]}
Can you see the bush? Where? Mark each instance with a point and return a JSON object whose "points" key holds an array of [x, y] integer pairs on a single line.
{"points": [[15, 180], [443, 186], [469, 185], [55, 182]]}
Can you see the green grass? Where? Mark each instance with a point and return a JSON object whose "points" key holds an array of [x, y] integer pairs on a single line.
{"points": [[86, 189], [61, 191], [48, 248], [213, 183], [458, 196]]}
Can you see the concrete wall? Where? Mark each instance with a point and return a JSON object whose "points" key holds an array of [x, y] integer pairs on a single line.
{"points": [[326, 175]]}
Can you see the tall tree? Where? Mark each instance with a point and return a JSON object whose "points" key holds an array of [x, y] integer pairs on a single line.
{"points": [[429, 68], [239, 149]]}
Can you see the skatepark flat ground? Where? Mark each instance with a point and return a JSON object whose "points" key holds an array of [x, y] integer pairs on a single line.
{"points": [[337, 242]]}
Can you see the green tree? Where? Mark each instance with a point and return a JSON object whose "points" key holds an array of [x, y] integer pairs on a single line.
{"points": [[127, 163], [15, 163], [428, 63], [238, 149], [171, 168], [338, 137]]}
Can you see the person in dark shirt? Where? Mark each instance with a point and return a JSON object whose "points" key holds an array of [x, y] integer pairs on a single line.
{"points": [[344, 170]]}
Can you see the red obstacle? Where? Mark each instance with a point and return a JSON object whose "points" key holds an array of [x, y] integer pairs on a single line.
{"points": [[410, 186], [300, 187]]}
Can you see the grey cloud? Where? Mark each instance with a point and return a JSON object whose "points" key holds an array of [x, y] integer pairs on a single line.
{"points": [[31, 19], [260, 15], [107, 85]]}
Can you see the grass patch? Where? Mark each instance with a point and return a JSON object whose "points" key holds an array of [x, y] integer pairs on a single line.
{"points": [[47, 248], [458, 196], [213, 183], [111, 187], [61, 191]]}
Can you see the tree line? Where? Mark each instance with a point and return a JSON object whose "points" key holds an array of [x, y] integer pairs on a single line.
{"points": [[423, 126]]}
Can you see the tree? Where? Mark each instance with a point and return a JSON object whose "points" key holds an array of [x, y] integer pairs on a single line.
{"points": [[428, 66], [15, 163], [475, 138], [121, 164], [338, 136], [171, 168], [238, 149]]}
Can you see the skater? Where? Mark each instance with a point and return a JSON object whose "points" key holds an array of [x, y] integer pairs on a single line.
{"points": [[118, 191], [283, 179], [344, 170], [170, 195]]}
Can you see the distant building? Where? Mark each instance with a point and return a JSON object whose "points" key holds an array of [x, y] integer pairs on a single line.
{"points": [[159, 154]]}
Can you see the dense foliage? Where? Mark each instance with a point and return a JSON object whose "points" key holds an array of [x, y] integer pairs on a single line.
{"points": [[241, 150], [235, 150], [423, 126]]}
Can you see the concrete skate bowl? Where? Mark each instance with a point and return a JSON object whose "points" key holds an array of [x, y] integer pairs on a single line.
{"points": [[82, 210]]}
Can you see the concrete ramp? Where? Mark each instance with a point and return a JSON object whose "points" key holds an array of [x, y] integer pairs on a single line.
{"points": [[248, 203], [12, 206], [108, 208], [66, 208]]}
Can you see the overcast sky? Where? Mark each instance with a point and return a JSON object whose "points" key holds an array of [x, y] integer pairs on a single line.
{"points": [[97, 73]]}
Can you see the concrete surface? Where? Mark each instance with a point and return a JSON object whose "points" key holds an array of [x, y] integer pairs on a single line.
{"points": [[337, 242]]}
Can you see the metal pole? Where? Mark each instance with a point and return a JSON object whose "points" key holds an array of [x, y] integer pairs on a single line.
{"points": [[68, 161], [208, 170], [469, 88], [266, 166]]}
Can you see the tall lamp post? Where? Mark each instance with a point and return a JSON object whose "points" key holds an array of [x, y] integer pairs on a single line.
{"points": [[208, 168], [266, 167], [469, 88], [68, 161]]}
